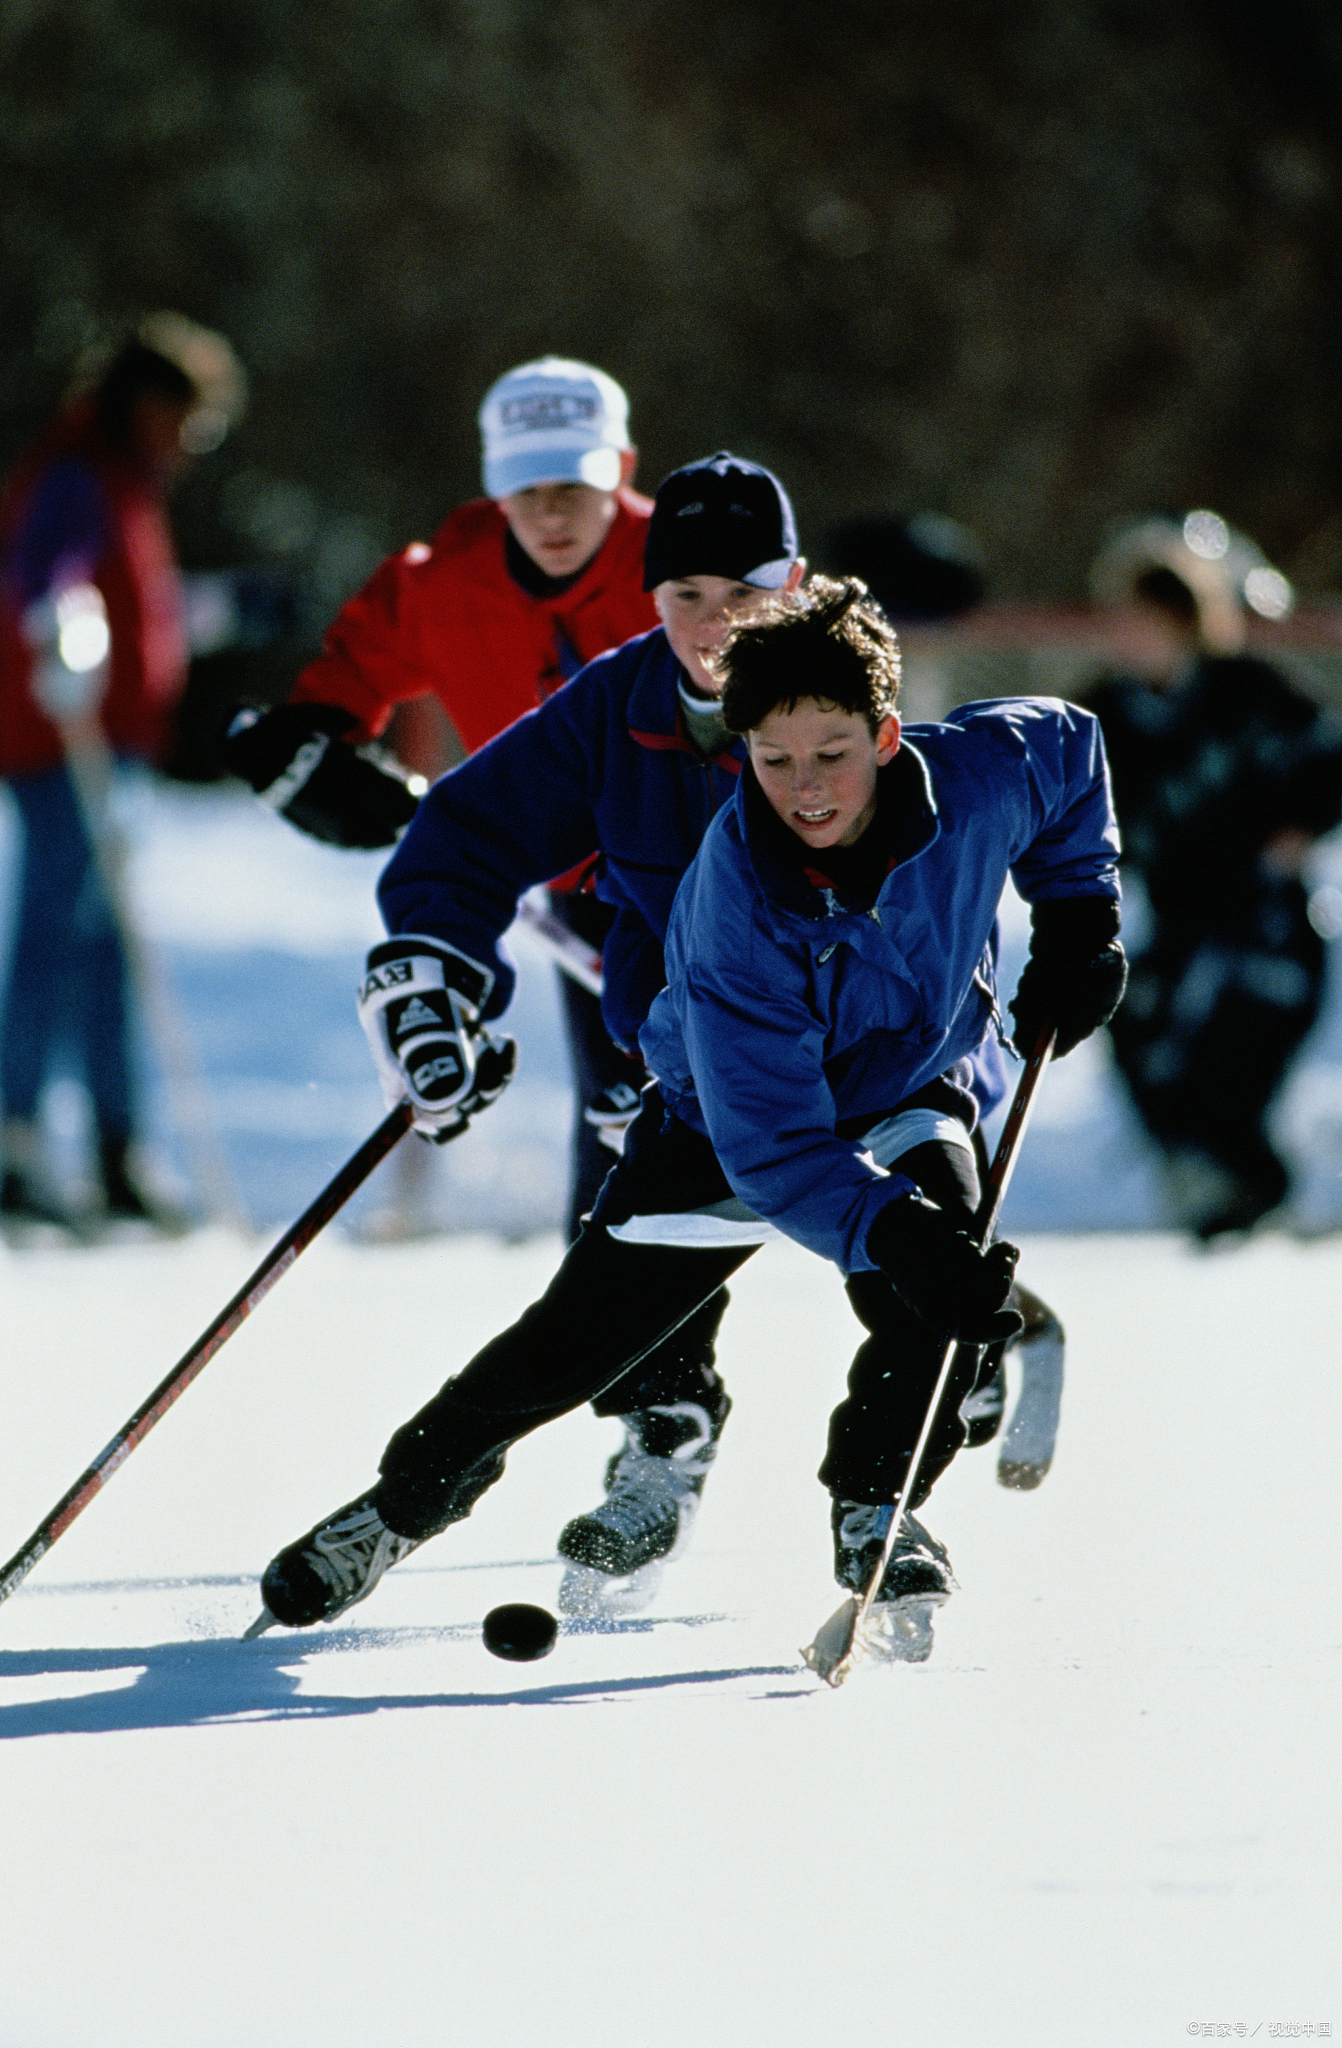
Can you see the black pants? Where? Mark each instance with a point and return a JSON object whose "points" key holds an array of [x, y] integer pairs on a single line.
{"points": [[616, 1313], [683, 1367]]}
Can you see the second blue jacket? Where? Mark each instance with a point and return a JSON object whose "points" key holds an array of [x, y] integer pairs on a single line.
{"points": [[787, 1015], [605, 763]]}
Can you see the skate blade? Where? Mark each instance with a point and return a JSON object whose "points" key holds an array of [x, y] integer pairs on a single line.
{"points": [[1020, 1476], [900, 1631], [589, 1595], [264, 1620]]}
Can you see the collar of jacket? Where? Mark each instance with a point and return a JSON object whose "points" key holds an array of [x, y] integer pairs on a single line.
{"points": [[906, 813], [656, 720], [476, 536]]}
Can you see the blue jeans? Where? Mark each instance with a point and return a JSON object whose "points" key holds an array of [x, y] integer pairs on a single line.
{"points": [[67, 988]]}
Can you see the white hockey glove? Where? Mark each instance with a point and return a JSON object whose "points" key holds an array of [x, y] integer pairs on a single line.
{"points": [[420, 1005]]}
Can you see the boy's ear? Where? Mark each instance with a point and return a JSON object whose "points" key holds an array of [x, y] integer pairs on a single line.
{"points": [[628, 464], [887, 739], [795, 573]]}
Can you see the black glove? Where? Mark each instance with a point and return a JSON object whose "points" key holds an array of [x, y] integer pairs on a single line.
{"points": [[936, 1267], [420, 1005], [1076, 973], [295, 759]]}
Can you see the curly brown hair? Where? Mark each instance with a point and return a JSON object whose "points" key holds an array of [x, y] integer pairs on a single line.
{"points": [[829, 641]]}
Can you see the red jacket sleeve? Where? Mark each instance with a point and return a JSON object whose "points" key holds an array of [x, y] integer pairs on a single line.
{"points": [[374, 654]]}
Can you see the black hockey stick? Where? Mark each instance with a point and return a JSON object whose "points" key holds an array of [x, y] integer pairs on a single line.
{"points": [[833, 1653], [313, 1220]]}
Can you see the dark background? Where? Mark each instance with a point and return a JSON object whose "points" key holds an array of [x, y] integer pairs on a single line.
{"points": [[1034, 266]]}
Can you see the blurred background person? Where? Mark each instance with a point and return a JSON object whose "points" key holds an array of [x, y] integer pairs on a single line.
{"points": [[93, 657], [516, 592], [1225, 775]]}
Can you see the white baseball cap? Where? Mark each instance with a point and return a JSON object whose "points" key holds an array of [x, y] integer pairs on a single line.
{"points": [[553, 422]]}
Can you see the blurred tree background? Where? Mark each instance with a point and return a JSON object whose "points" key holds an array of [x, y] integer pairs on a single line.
{"points": [[1033, 264]]}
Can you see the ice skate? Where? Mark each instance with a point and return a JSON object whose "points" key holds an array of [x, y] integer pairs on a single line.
{"points": [[918, 1579], [29, 1214], [1026, 1451], [129, 1195], [331, 1568], [31, 1210], [595, 1596], [616, 1554]]}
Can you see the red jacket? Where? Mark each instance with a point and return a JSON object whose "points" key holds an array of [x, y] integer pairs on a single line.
{"points": [[127, 552], [449, 621]]}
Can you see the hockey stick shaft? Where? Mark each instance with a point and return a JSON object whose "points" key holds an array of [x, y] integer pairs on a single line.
{"points": [[985, 1224], [253, 1291]]}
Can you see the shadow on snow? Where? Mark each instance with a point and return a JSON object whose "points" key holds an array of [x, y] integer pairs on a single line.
{"points": [[204, 1683]]}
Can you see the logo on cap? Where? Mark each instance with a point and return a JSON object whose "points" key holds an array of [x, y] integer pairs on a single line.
{"points": [[542, 409]]}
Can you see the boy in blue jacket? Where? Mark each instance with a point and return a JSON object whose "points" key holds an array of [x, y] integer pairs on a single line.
{"points": [[831, 996], [905, 1015]]}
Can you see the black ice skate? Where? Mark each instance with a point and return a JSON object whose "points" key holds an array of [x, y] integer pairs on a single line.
{"points": [[333, 1566], [918, 1578], [617, 1553]]}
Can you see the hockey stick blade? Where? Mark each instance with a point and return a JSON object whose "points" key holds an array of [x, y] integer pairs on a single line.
{"points": [[314, 1219], [839, 1643], [834, 1641]]}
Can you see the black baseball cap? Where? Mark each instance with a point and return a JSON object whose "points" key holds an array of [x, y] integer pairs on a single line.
{"points": [[721, 517]]}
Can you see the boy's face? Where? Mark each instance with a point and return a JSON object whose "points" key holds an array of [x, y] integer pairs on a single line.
{"points": [[698, 612], [817, 766], [560, 526]]}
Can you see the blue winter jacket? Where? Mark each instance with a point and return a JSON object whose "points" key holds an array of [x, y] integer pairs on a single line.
{"points": [[606, 762], [787, 1016]]}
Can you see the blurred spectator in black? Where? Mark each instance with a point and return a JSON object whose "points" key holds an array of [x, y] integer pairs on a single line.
{"points": [[1225, 774], [93, 656]]}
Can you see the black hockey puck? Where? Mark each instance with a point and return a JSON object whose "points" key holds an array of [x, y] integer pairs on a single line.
{"points": [[520, 1632]]}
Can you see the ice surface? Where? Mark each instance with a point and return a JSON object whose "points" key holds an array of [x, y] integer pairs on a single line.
{"points": [[1107, 1808]]}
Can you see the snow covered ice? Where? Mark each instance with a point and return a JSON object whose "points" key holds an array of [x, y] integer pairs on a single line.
{"points": [[1105, 1812]]}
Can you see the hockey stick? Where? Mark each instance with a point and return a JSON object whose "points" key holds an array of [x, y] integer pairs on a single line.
{"points": [[836, 1648], [297, 1239], [581, 962]]}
